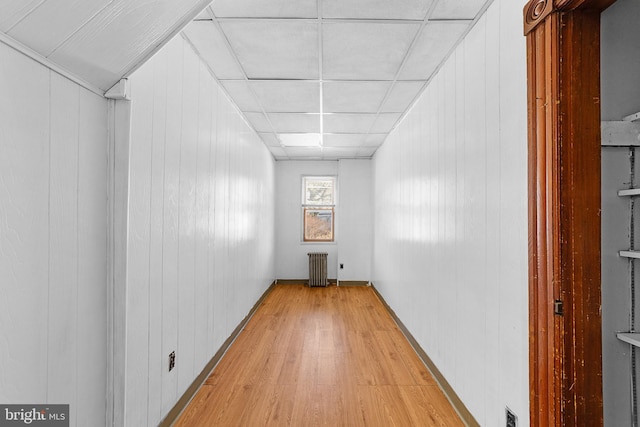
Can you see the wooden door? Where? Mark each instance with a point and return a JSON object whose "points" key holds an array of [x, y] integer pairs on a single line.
{"points": [[565, 354]]}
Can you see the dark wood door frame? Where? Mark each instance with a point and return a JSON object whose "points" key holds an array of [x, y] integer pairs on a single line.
{"points": [[565, 350]]}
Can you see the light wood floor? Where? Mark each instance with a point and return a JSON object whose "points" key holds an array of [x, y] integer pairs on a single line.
{"points": [[320, 357]]}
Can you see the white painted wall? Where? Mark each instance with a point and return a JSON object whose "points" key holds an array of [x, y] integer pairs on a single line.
{"points": [[291, 260], [450, 250], [616, 289], [620, 53], [201, 227], [355, 222], [53, 240]]}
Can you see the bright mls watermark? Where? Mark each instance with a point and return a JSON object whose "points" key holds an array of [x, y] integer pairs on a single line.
{"points": [[34, 415]]}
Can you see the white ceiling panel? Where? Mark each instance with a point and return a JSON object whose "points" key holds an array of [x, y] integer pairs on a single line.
{"points": [[295, 122], [275, 48], [204, 15], [270, 139], [401, 96], [375, 9], [302, 152], [434, 43], [348, 123], [300, 139], [457, 9], [339, 152], [344, 140], [288, 96], [265, 9], [385, 122], [353, 97], [51, 23], [115, 40], [278, 153], [209, 42], [11, 12], [374, 139], [259, 122], [365, 51], [241, 94], [366, 151]]}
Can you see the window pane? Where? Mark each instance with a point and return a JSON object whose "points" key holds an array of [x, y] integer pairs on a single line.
{"points": [[318, 225], [318, 191]]}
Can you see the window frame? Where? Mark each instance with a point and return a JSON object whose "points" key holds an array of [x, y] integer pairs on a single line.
{"points": [[305, 207]]}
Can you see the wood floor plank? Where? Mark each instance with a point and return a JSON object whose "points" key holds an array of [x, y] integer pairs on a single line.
{"points": [[320, 357]]}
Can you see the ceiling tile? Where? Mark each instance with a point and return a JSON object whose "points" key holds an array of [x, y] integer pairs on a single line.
{"points": [[300, 139], [353, 97], [374, 139], [434, 43], [270, 139], [348, 123], [375, 9], [365, 51], [366, 151], [457, 9], [209, 42], [204, 15], [275, 48], [241, 94], [259, 122], [265, 9], [339, 152], [288, 96], [303, 152], [278, 153], [343, 140], [385, 122], [401, 96], [295, 122]]}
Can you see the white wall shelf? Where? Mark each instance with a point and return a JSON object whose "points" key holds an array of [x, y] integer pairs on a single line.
{"points": [[629, 192], [632, 118], [629, 254], [632, 338], [622, 133]]}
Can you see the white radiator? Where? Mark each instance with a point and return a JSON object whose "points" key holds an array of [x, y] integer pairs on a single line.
{"points": [[317, 268]]}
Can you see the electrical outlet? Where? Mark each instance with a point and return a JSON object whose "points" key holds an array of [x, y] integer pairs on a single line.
{"points": [[341, 266], [512, 420], [172, 360]]}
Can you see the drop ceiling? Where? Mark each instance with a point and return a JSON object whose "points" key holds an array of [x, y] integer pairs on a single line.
{"points": [[327, 79]]}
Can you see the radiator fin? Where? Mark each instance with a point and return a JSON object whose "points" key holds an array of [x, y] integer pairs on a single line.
{"points": [[317, 269]]}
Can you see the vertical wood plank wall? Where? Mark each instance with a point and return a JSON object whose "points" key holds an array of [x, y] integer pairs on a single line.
{"points": [[201, 227], [53, 231], [450, 250]]}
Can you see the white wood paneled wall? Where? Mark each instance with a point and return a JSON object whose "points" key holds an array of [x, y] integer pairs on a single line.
{"points": [[201, 227], [450, 251], [355, 220], [53, 240]]}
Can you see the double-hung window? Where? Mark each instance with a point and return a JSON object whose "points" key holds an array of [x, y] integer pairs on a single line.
{"points": [[318, 208]]}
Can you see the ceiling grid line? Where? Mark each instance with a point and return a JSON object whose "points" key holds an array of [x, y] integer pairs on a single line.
{"points": [[246, 78], [329, 78], [404, 61], [321, 74]]}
